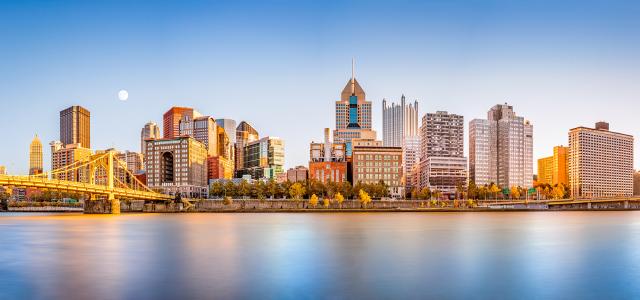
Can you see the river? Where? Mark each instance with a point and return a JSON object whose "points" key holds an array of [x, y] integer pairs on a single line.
{"points": [[501, 255]]}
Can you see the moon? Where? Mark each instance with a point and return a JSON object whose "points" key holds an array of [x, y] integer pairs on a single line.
{"points": [[123, 95]]}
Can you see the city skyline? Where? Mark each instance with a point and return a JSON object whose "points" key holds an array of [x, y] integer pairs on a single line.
{"points": [[503, 55]]}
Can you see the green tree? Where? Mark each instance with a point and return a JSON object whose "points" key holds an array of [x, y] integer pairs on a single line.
{"points": [[230, 189], [272, 188], [244, 189], [296, 191], [217, 189]]}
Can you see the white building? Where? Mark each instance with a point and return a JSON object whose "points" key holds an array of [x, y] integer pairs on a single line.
{"points": [[600, 162], [442, 163], [510, 149], [399, 121]]}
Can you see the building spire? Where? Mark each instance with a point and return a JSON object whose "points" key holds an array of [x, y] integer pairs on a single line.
{"points": [[353, 76]]}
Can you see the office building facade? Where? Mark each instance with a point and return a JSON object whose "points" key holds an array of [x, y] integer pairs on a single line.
{"points": [[398, 122], [75, 126], [600, 162], [177, 165], [35, 156]]}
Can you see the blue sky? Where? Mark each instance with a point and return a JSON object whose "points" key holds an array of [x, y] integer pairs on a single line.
{"points": [[280, 65]]}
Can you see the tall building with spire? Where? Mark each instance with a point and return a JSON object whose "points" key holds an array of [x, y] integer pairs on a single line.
{"points": [[353, 115], [398, 122], [35, 156]]}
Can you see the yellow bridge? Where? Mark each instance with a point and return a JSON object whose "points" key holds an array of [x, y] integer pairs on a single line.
{"points": [[99, 176]]}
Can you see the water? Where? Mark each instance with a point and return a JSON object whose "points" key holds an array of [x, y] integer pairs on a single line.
{"points": [[525, 255]]}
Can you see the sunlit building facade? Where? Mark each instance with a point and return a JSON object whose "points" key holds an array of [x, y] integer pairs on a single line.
{"points": [[150, 131], [353, 116], [373, 163], [75, 126], [399, 121], [552, 170], [245, 134], [177, 165], [264, 158], [35, 156], [600, 162], [171, 120], [443, 166], [63, 156]]}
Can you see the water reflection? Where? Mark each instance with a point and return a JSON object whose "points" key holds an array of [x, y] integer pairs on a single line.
{"points": [[364, 255]]}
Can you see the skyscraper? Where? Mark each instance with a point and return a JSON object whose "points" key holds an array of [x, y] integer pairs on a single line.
{"points": [[171, 120], [75, 126], [203, 129], [150, 131], [510, 148], [443, 166], [264, 158], [35, 156], [229, 126], [245, 133], [399, 121], [353, 115], [479, 132], [600, 162]]}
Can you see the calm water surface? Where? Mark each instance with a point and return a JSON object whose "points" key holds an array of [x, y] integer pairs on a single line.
{"points": [[534, 255]]}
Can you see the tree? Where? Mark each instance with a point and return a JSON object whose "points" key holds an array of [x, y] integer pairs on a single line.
{"points": [[227, 200], [493, 188], [217, 189], [558, 191], [424, 194], [296, 191], [515, 192], [460, 190], [272, 188], [472, 190], [257, 189], [364, 198], [230, 189], [340, 199], [326, 202], [244, 189], [313, 201]]}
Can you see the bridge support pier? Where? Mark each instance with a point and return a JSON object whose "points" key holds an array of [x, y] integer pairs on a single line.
{"points": [[103, 206]]}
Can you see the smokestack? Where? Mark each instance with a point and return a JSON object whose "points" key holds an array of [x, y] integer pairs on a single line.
{"points": [[327, 144]]}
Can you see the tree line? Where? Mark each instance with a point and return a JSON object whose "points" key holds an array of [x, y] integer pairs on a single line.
{"points": [[296, 190]]}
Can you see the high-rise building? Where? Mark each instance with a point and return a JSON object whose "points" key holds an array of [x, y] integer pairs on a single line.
{"points": [[150, 131], [298, 174], [552, 170], [68, 155], [373, 163], [245, 134], [75, 126], [410, 159], [479, 132], [353, 115], [177, 165], [328, 161], [443, 166], [264, 158], [35, 156], [132, 159], [221, 166], [229, 126], [171, 120], [545, 170], [600, 162], [203, 129], [510, 151], [399, 121]]}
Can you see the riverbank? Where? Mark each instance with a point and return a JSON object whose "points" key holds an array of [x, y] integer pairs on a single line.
{"points": [[292, 206]]}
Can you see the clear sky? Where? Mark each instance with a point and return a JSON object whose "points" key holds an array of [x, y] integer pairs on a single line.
{"points": [[281, 65]]}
